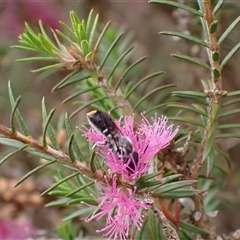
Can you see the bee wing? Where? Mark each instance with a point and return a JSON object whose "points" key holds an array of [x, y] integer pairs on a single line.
{"points": [[103, 123]]}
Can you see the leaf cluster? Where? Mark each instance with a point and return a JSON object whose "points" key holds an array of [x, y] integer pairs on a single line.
{"points": [[99, 66]]}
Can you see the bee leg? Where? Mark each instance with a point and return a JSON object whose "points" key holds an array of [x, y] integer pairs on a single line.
{"points": [[96, 144]]}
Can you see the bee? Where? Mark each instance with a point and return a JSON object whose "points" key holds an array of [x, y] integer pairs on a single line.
{"points": [[119, 144]]}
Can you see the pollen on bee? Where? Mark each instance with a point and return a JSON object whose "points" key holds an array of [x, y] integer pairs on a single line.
{"points": [[91, 112]]}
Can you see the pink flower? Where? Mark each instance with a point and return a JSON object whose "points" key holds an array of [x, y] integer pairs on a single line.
{"points": [[148, 139], [122, 209], [16, 229], [118, 203]]}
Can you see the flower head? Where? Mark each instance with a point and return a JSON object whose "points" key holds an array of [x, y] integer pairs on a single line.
{"points": [[121, 208], [147, 140], [116, 139]]}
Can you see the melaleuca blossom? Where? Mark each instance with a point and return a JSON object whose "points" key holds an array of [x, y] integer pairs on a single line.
{"points": [[121, 207], [147, 139], [120, 204]]}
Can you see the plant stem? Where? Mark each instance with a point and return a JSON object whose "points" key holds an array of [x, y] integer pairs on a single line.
{"points": [[59, 155], [168, 231], [215, 94]]}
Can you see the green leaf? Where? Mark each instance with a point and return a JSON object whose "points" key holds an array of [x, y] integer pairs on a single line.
{"points": [[210, 161], [45, 130], [84, 47], [3, 160], [76, 26], [23, 48], [146, 177], [228, 126], [119, 61], [231, 102], [178, 5], [11, 142], [46, 36], [89, 56], [198, 97], [213, 27], [188, 108], [160, 182], [225, 157], [104, 59], [152, 92], [85, 199], [162, 105], [79, 189], [141, 234], [70, 152], [184, 235], [49, 130], [40, 154], [190, 227], [96, 100], [37, 59], [148, 184], [67, 28], [33, 171], [89, 24], [50, 49], [59, 202], [189, 94], [100, 37], [68, 40], [136, 85], [228, 30], [187, 120], [181, 193], [213, 119], [58, 193], [233, 94], [17, 114], [74, 80], [153, 225], [228, 135], [14, 108], [92, 32], [127, 70], [192, 60], [208, 149], [74, 143], [230, 54], [185, 36], [77, 213], [82, 31], [53, 66], [172, 186], [215, 56], [30, 37], [65, 82], [170, 178], [80, 92], [228, 113], [216, 73], [92, 162], [218, 6], [59, 183]]}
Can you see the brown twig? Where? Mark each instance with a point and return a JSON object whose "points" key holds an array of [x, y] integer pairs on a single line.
{"points": [[215, 94], [59, 155], [168, 231]]}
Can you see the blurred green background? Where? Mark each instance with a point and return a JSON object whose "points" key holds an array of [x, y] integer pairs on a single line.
{"points": [[145, 21]]}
